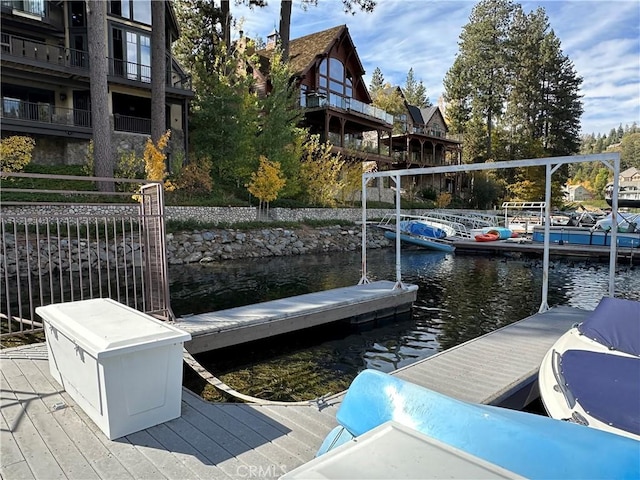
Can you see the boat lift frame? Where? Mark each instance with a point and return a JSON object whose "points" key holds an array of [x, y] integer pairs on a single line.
{"points": [[551, 164]]}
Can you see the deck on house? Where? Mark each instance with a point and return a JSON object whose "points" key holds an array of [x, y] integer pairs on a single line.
{"points": [[45, 435], [361, 303]]}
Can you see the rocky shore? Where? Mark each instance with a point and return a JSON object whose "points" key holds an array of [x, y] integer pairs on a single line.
{"points": [[218, 245], [211, 245]]}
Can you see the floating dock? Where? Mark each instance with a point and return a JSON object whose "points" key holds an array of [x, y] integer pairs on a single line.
{"points": [[521, 247], [44, 434], [359, 304]]}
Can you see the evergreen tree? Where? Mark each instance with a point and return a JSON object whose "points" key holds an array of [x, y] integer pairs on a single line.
{"points": [[483, 55], [223, 111], [512, 84], [415, 92], [279, 136], [377, 82]]}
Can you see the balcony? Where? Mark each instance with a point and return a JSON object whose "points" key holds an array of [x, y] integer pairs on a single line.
{"points": [[60, 58], [14, 109], [43, 54], [315, 100], [124, 123], [19, 112]]}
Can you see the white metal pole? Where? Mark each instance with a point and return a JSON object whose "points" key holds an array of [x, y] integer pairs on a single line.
{"points": [[544, 305], [398, 257], [613, 252], [363, 278]]}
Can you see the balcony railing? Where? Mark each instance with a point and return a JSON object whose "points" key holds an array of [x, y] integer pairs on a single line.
{"points": [[13, 108], [43, 52], [314, 100], [357, 144], [129, 70], [124, 123], [59, 55]]}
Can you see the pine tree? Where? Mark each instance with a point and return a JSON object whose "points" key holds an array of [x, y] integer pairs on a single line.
{"points": [[415, 92], [279, 136], [377, 82]]}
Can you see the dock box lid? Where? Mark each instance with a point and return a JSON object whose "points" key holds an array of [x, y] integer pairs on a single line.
{"points": [[103, 327]]}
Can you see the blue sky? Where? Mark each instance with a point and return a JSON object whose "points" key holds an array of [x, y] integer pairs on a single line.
{"points": [[602, 38]]}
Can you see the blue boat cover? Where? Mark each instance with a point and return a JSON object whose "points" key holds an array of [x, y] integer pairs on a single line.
{"points": [[607, 386], [423, 229], [615, 323], [530, 445]]}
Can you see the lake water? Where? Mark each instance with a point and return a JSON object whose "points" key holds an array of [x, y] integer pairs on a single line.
{"points": [[460, 297]]}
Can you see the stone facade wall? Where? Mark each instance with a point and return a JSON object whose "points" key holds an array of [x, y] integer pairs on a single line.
{"points": [[67, 151]]}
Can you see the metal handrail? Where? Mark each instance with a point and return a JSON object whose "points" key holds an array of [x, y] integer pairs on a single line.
{"points": [[43, 113]]}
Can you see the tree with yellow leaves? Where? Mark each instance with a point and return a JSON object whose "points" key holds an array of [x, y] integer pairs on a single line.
{"points": [[320, 172], [155, 161], [15, 152], [266, 183]]}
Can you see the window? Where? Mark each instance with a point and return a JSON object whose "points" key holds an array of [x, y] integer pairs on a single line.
{"points": [[33, 7], [137, 10], [334, 77], [132, 49]]}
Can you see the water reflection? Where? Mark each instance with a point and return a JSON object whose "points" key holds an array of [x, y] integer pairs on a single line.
{"points": [[459, 298]]}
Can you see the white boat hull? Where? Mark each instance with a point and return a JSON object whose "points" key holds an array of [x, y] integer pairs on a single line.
{"points": [[556, 396]]}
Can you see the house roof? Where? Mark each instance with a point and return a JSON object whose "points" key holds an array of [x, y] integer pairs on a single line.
{"points": [[304, 50], [630, 172]]}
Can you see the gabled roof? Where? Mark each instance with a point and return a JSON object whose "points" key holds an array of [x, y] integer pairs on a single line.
{"points": [[630, 172], [416, 114], [304, 50], [428, 113]]}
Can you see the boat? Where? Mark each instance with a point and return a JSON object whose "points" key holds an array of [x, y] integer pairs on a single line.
{"points": [[628, 194], [425, 242], [487, 237], [591, 375], [424, 234], [628, 234], [491, 234], [523, 444]]}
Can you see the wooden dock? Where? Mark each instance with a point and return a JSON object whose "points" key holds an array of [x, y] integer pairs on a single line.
{"points": [[626, 255], [360, 303], [499, 368], [45, 435]]}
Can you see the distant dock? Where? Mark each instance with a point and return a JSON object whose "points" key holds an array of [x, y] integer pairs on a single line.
{"points": [[626, 255], [360, 304]]}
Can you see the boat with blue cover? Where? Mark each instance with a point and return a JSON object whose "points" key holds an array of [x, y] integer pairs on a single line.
{"points": [[591, 375], [526, 444], [424, 234]]}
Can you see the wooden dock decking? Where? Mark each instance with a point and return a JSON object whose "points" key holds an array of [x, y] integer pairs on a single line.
{"points": [[233, 326], [43, 434], [568, 250]]}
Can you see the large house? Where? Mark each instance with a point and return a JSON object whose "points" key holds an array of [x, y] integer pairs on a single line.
{"points": [[338, 107], [45, 77], [334, 96], [422, 140]]}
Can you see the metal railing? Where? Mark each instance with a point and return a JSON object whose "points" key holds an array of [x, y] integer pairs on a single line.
{"points": [[314, 100], [53, 252], [124, 123], [41, 52], [44, 112], [59, 55]]}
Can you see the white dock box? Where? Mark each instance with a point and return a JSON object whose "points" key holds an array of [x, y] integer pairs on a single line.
{"points": [[123, 367]]}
